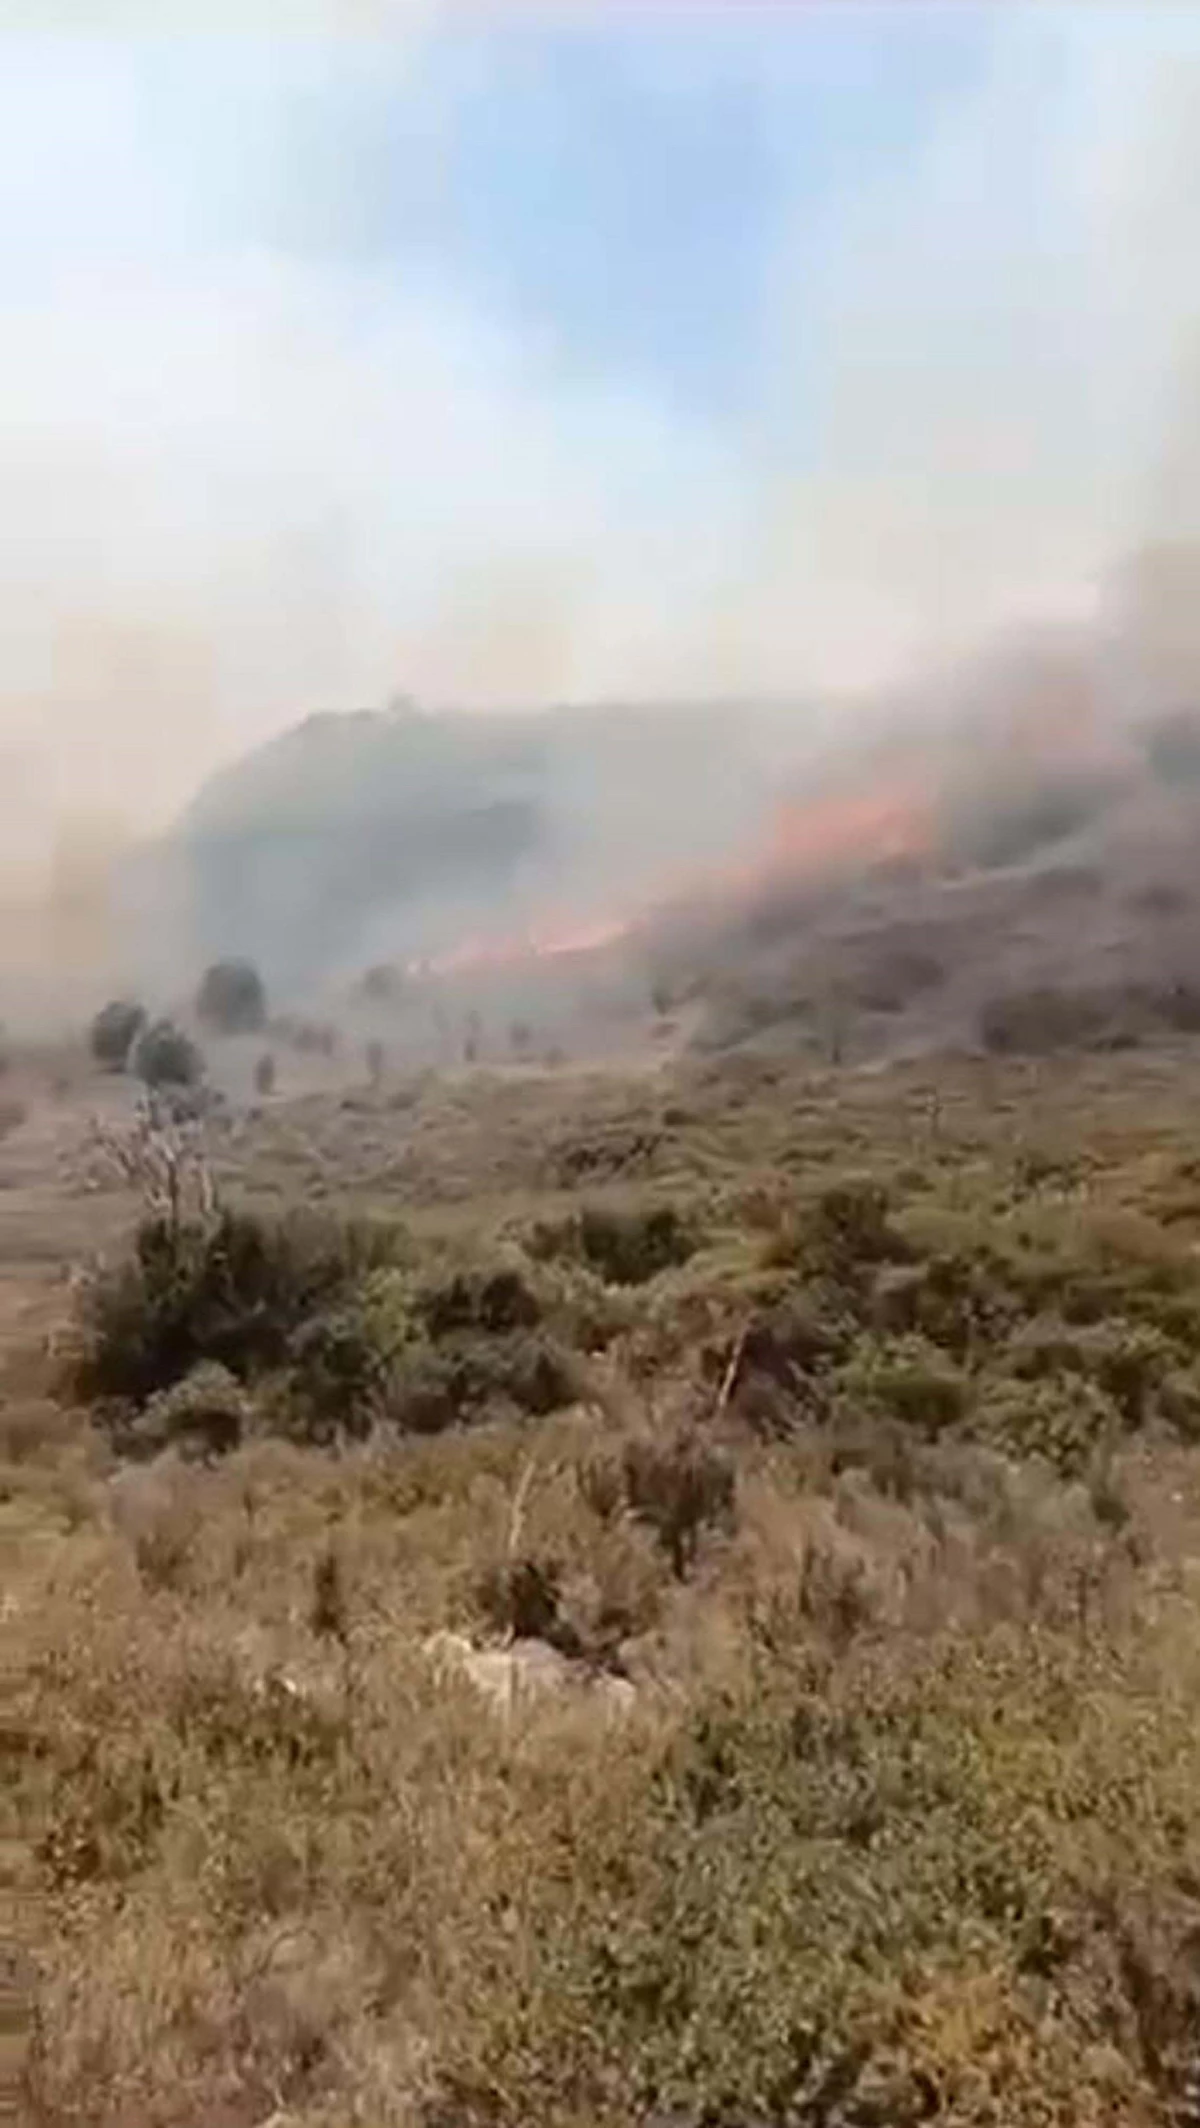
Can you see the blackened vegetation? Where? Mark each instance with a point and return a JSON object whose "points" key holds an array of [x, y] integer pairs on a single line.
{"points": [[114, 1031], [231, 998], [165, 1057]]}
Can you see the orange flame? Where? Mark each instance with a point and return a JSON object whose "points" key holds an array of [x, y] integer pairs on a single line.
{"points": [[539, 943], [874, 825], [805, 840]]}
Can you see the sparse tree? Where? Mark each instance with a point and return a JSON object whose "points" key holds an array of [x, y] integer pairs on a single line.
{"points": [[114, 1031], [166, 1057], [231, 998]]}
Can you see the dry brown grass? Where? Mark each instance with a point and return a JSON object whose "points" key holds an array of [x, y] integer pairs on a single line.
{"points": [[900, 1821]]}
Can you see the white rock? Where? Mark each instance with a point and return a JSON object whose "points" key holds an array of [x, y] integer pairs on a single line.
{"points": [[525, 1671]]}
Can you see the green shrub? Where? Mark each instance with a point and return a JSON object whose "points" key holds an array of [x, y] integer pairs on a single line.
{"points": [[465, 1376], [1127, 1360], [489, 1297], [205, 1414], [954, 1299], [337, 1374], [1063, 1418], [235, 1289], [841, 1236], [626, 1248], [166, 1057], [909, 1379]]}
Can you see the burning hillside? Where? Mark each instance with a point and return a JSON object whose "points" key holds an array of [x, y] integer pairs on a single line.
{"points": [[1016, 821]]}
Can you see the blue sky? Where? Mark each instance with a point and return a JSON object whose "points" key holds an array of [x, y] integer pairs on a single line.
{"points": [[513, 356], [614, 182]]}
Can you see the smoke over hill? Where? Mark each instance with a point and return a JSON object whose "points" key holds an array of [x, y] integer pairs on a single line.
{"points": [[1025, 818]]}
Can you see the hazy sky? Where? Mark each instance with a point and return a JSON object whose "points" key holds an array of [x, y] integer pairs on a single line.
{"points": [[500, 354]]}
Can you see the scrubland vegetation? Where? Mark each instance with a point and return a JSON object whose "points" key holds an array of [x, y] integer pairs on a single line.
{"points": [[815, 1461]]}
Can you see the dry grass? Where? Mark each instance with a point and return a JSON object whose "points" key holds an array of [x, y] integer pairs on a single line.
{"points": [[884, 1507]]}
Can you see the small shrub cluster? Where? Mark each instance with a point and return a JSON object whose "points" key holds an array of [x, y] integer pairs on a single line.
{"points": [[1049, 1335], [206, 1413], [165, 1057], [624, 1247], [235, 1289], [329, 1319]]}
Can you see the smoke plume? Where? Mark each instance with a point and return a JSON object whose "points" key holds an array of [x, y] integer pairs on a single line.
{"points": [[249, 469]]}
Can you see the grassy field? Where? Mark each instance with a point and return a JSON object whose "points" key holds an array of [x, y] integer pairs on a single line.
{"points": [[543, 1598]]}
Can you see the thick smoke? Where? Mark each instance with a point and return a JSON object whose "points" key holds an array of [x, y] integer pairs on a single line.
{"points": [[246, 473]]}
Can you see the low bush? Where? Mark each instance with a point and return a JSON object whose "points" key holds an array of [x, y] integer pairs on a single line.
{"points": [[466, 1376], [164, 1056], [626, 1247], [1128, 1361], [482, 1297], [337, 1374], [841, 1235], [205, 1414], [1064, 1419], [908, 1379]]}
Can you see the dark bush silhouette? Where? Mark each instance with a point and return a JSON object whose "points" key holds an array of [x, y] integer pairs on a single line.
{"points": [[114, 1031], [231, 998], [678, 1486], [165, 1056], [626, 1248], [235, 1289], [523, 1599], [466, 1375], [493, 1300]]}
